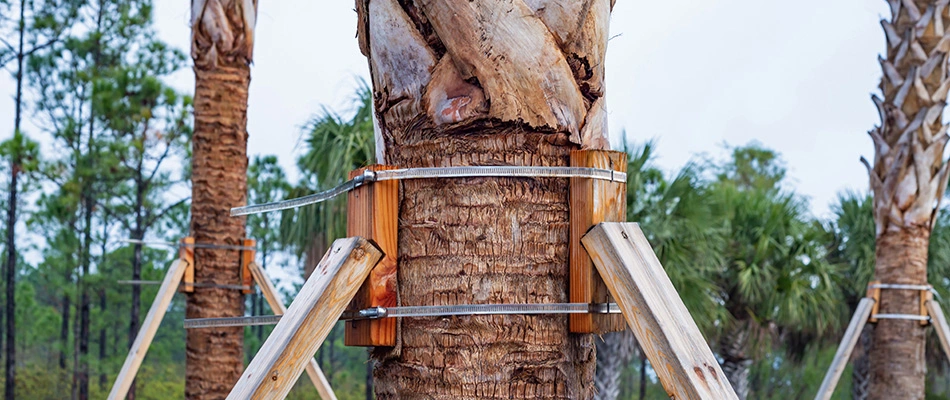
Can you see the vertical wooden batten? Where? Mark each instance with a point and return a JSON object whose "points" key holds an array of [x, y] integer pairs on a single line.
{"points": [[372, 213], [186, 253], [247, 258], [593, 201]]}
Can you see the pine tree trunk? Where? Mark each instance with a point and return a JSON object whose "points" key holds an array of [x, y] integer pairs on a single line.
{"points": [[908, 180], [10, 268], [222, 39], [491, 82]]}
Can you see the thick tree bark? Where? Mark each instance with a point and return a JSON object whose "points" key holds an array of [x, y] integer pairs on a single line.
{"points": [[222, 40], [492, 82], [908, 180], [735, 361], [614, 350], [861, 365]]}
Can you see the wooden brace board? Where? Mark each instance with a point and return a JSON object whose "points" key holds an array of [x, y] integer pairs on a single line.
{"points": [[270, 294], [147, 332], [372, 212], [594, 201], [308, 321], [848, 341], [657, 316]]}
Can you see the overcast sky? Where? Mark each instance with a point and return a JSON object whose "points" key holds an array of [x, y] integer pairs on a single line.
{"points": [[693, 74]]}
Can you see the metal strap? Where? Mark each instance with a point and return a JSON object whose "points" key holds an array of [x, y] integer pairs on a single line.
{"points": [[424, 311], [430, 173], [191, 245], [911, 317], [139, 282], [215, 285], [901, 286]]}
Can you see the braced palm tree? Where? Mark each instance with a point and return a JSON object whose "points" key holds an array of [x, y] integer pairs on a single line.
{"points": [[908, 179], [222, 49], [491, 82]]}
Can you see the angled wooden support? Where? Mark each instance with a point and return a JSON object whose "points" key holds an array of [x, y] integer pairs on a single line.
{"points": [[311, 316], [657, 316], [594, 201], [147, 332], [372, 212], [940, 324], [247, 258], [187, 253], [848, 341], [270, 293]]}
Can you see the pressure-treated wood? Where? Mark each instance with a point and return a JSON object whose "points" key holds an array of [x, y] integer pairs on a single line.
{"points": [[186, 253], [372, 212], [147, 332], [307, 322], [848, 341], [874, 293], [247, 258], [270, 294], [940, 324], [594, 201], [668, 336]]}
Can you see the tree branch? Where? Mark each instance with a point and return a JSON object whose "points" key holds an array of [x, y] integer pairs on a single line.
{"points": [[149, 220]]}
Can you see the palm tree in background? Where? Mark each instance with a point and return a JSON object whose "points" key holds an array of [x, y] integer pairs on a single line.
{"points": [[222, 49], [334, 147], [775, 280]]}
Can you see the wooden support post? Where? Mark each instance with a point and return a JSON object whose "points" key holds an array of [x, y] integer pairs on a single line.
{"points": [[594, 201], [311, 316], [848, 341], [657, 316], [186, 253], [372, 212], [940, 324], [277, 307], [147, 332], [874, 293], [925, 297], [247, 258]]}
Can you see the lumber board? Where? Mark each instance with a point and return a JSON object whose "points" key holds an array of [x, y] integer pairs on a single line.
{"points": [[657, 316], [186, 253], [940, 324], [308, 320], [594, 201], [247, 257], [313, 370], [372, 213], [147, 332], [851, 335]]}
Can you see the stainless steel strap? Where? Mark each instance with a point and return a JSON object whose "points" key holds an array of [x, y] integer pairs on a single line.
{"points": [[431, 173], [424, 311]]}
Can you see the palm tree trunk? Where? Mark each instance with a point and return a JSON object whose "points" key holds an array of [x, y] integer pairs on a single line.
{"points": [[861, 365], [615, 349], [492, 82], [908, 179], [222, 39], [735, 361]]}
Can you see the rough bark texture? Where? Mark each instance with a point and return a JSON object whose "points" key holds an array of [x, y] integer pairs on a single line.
{"points": [[222, 39], [735, 361], [861, 365], [614, 352], [908, 179], [493, 82]]}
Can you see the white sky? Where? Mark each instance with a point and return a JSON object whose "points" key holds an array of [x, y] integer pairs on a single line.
{"points": [[693, 74]]}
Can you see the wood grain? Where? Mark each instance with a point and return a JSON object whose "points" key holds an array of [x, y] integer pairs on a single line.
{"points": [[372, 213], [940, 324], [270, 294], [186, 253], [848, 341], [311, 316], [670, 339], [247, 258], [147, 332], [594, 201]]}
